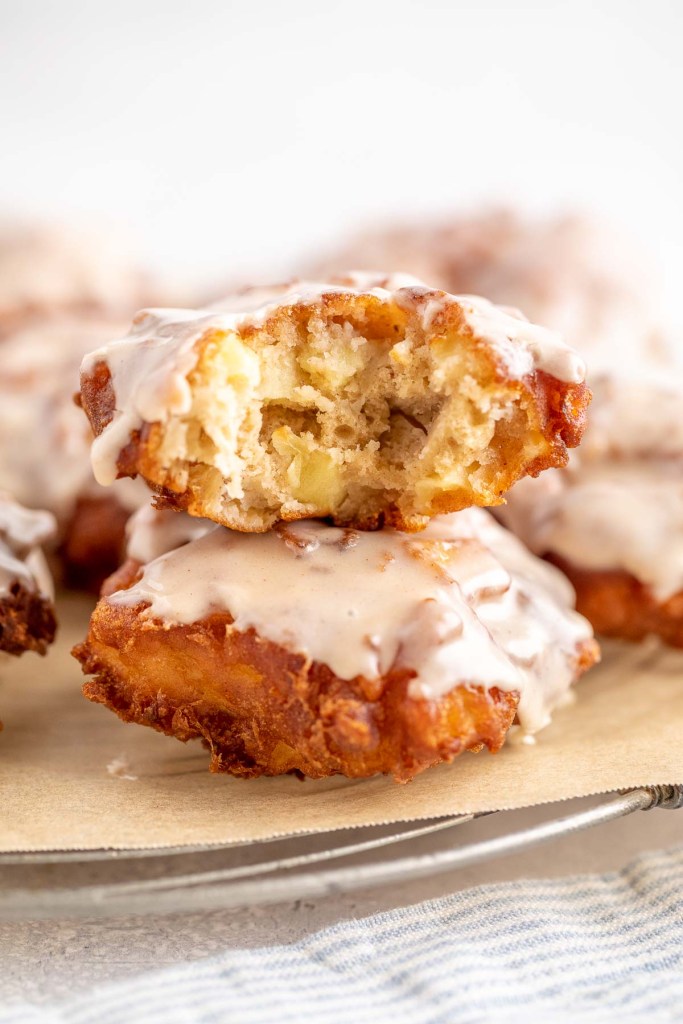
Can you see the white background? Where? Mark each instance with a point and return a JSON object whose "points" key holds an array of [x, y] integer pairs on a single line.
{"points": [[236, 138]]}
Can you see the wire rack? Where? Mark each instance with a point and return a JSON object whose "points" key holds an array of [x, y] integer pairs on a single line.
{"points": [[184, 879]]}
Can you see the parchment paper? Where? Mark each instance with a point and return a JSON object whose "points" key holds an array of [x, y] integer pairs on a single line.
{"points": [[56, 792]]}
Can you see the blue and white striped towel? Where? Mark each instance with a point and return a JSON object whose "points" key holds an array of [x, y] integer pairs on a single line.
{"points": [[593, 948]]}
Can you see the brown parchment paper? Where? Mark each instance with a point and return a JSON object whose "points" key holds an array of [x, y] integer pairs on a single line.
{"points": [[56, 792]]}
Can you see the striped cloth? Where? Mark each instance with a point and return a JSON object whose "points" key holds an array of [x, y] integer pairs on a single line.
{"points": [[592, 948]]}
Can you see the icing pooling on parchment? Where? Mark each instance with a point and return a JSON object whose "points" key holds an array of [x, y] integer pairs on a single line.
{"points": [[22, 531], [619, 503], [461, 602], [149, 367]]}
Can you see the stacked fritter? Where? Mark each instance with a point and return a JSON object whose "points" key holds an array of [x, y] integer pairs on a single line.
{"points": [[329, 615], [612, 520]]}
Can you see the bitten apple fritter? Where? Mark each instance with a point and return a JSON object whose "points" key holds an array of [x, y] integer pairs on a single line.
{"points": [[371, 400]]}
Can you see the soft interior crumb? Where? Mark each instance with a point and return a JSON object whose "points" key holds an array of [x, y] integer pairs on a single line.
{"points": [[342, 417]]}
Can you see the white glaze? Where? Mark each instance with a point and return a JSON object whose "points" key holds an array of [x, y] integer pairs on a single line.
{"points": [[149, 367], [22, 531], [619, 503], [522, 342], [461, 602], [151, 532]]}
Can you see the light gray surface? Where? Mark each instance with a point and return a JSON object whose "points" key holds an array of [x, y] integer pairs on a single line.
{"points": [[46, 960]]}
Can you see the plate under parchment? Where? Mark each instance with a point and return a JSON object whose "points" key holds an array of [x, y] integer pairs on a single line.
{"points": [[103, 884], [141, 882]]}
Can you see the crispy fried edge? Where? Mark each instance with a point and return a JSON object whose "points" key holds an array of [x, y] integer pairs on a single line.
{"points": [[27, 621], [284, 714], [560, 409], [271, 710], [620, 606]]}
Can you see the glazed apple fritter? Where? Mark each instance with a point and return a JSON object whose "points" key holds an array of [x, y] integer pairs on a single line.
{"points": [[318, 650], [368, 400]]}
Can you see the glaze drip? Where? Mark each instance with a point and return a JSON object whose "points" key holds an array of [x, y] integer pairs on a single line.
{"points": [[22, 531], [461, 602], [149, 368]]}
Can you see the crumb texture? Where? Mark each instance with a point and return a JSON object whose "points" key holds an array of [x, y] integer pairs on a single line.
{"points": [[352, 405]]}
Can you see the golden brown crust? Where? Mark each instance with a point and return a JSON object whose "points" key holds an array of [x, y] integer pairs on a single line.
{"points": [[97, 397], [618, 605], [562, 413], [123, 577], [27, 621], [263, 710]]}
